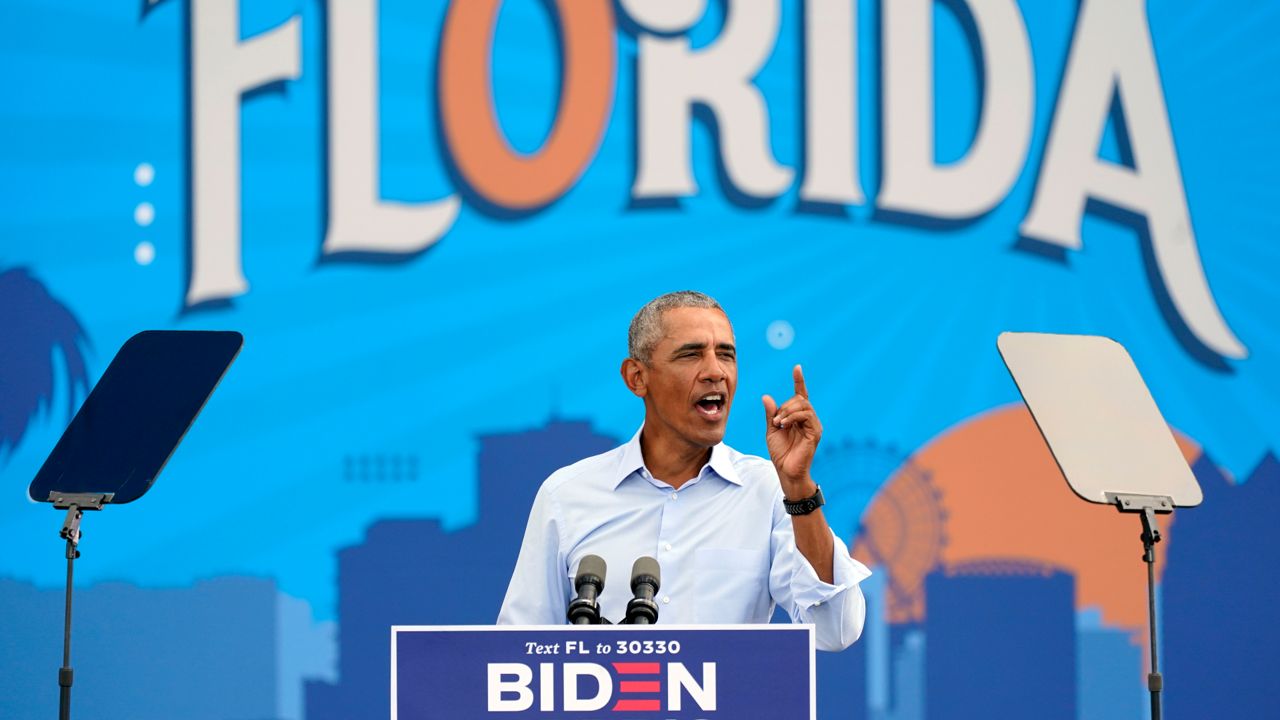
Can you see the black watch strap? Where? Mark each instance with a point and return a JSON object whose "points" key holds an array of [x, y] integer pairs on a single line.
{"points": [[805, 506]]}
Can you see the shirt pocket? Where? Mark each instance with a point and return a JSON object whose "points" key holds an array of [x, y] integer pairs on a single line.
{"points": [[732, 586]]}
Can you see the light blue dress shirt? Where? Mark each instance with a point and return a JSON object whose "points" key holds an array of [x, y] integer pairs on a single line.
{"points": [[723, 541]]}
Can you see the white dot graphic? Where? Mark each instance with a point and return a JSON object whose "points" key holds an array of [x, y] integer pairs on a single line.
{"points": [[780, 334], [144, 174], [144, 253], [144, 214]]}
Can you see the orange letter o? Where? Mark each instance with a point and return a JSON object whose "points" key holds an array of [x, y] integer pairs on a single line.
{"points": [[478, 146]]}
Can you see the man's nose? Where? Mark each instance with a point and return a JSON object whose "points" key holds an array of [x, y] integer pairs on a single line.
{"points": [[713, 370]]}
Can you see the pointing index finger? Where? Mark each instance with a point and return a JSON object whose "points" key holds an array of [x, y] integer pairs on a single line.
{"points": [[798, 375]]}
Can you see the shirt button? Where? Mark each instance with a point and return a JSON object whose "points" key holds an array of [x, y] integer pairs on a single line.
{"points": [[674, 495], [667, 546], [666, 599]]}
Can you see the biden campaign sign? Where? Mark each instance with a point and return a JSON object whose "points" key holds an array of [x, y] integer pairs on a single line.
{"points": [[676, 672]]}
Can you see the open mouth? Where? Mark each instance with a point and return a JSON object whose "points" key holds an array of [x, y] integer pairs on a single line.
{"points": [[711, 406]]}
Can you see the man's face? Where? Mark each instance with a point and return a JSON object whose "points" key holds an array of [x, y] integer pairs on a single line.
{"points": [[691, 376]]}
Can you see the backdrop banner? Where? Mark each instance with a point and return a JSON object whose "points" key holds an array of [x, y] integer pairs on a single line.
{"points": [[433, 222]]}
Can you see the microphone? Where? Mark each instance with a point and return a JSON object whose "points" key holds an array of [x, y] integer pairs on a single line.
{"points": [[589, 583], [646, 578]]}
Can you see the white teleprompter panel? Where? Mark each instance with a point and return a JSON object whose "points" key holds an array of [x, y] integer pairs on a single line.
{"points": [[1098, 417]]}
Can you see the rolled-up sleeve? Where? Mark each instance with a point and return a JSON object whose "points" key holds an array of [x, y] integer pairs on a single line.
{"points": [[837, 610]]}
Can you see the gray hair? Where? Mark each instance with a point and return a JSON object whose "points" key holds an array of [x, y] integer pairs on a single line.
{"points": [[646, 326]]}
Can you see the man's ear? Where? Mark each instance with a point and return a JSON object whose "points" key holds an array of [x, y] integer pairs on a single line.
{"points": [[635, 376]]}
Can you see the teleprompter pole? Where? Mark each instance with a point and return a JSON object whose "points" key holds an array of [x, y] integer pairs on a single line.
{"points": [[1146, 506], [71, 532], [1151, 536], [75, 505]]}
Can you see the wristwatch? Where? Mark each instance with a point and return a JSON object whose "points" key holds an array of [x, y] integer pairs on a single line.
{"points": [[805, 506]]}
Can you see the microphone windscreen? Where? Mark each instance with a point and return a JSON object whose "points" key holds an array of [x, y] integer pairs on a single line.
{"points": [[590, 569], [646, 569]]}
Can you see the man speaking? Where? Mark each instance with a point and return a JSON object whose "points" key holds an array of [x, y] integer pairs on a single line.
{"points": [[734, 534]]}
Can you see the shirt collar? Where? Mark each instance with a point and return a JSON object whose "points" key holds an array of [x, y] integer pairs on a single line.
{"points": [[721, 462]]}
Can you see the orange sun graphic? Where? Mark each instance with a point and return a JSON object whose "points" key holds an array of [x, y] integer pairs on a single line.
{"points": [[988, 489]]}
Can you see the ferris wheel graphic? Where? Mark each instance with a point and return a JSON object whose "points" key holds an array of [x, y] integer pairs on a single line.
{"points": [[901, 524]]}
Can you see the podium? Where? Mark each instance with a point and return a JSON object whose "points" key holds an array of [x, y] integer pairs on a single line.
{"points": [[676, 672]]}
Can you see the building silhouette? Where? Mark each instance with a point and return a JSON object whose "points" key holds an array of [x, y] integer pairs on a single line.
{"points": [[1001, 642], [875, 645], [907, 699], [1109, 670], [413, 572], [219, 650], [1220, 635], [842, 683]]}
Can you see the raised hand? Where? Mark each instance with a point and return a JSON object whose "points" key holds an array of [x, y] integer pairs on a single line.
{"points": [[792, 435]]}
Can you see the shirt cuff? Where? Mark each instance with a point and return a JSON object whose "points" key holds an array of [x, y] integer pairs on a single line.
{"points": [[808, 590]]}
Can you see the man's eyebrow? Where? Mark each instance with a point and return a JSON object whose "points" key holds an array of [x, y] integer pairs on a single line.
{"points": [[689, 346], [700, 346]]}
